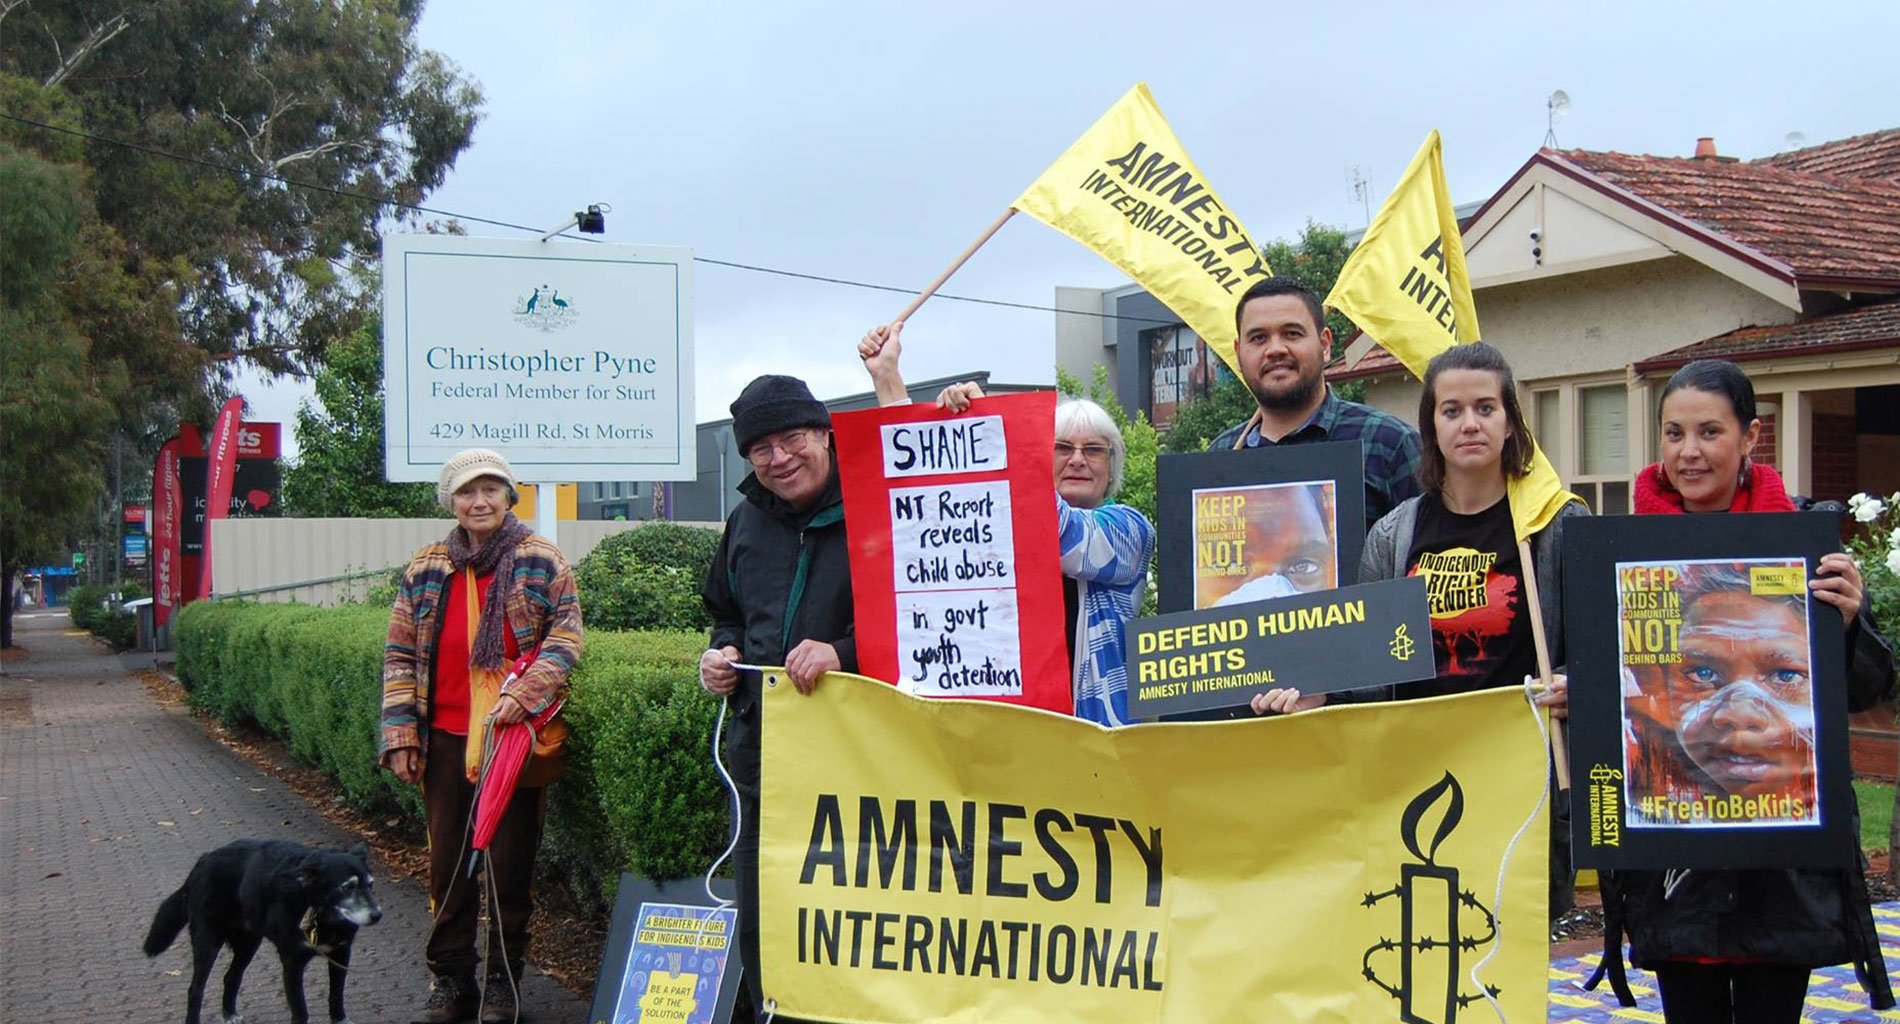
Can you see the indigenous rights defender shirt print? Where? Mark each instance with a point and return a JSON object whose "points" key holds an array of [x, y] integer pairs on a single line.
{"points": [[1474, 585]]}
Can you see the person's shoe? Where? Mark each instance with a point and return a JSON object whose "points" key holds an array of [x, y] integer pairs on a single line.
{"points": [[453, 999], [499, 1005]]}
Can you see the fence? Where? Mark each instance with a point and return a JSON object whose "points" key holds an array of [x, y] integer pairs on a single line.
{"points": [[326, 561]]}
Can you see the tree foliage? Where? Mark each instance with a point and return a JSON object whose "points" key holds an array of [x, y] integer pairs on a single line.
{"points": [[336, 95], [54, 403], [1314, 260], [339, 470]]}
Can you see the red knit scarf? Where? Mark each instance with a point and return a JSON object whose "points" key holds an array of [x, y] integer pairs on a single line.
{"points": [[1761, 491]]}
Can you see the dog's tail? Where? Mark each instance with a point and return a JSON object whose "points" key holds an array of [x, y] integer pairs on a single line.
{"points": [[172, 916]]}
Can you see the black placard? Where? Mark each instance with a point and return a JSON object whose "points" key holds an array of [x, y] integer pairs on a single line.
{"points": [[1259, 522], [1372, 634], [671, 955], [1708, 703]]}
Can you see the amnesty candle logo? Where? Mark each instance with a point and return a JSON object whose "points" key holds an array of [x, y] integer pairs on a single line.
{"points": [[1432, 917], [545, 310]]}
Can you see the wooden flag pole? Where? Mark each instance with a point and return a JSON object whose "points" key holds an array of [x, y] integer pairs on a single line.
{"points": [[931, 289], [1559, 749]]}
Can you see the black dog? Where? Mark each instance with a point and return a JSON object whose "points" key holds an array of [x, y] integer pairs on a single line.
{"points": [[307, 902]]}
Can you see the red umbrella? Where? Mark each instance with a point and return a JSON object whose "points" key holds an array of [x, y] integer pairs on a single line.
{"points": [[506, 753]]}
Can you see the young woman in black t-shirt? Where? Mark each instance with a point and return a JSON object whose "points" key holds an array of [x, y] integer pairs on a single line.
{"points": [[1459, 535]]}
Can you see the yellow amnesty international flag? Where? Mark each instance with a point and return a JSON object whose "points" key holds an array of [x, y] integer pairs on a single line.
{"points": [[1407, 287], [1128, 190], [943, 860], [1405, 282]]}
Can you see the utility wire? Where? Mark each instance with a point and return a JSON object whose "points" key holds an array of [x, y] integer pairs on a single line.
{"points": [[374, 201]]}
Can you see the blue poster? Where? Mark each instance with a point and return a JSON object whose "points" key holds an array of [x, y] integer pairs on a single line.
{"points": [[675, 963]]}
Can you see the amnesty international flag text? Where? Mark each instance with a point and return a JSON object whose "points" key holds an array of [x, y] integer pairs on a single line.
{"points": [[1406, 286], [945, 860], [1128, 190]]}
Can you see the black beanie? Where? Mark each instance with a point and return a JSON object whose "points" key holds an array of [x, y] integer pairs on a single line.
{"points": [[773, 403]]}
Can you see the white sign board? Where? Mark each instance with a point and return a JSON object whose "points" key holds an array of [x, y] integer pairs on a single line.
{"points": [[573, 360]]}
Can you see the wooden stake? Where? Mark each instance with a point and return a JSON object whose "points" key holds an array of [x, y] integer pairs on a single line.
{"points": [[931, 289], [1559, 749]]}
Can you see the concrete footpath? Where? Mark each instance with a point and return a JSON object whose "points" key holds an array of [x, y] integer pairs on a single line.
{"points": [[106, 800]]}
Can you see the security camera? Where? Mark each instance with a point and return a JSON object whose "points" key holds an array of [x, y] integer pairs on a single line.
{"points": [[1537, 234], [1537, 252]]}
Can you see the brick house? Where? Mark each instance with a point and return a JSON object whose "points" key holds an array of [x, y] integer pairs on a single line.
{"points": [[1600, 274]]}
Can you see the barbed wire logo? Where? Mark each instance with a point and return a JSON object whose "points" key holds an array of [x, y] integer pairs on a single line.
{"points": [[1421, 946]]}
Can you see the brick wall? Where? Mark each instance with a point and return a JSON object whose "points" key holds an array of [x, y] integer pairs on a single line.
{"points": [[1765, 445], [1836, 457]]}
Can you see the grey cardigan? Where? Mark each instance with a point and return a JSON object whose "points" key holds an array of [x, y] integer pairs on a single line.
{"points": [[1391, 541]]}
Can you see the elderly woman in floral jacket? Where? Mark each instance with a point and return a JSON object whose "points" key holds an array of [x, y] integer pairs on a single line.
{"points": [[453, 637]]}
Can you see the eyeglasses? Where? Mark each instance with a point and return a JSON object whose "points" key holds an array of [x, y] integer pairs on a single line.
{"points": [[1091, 452], [791, 444]]}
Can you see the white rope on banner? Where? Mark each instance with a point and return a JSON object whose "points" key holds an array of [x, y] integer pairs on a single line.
{"points": [[1532, 687]]}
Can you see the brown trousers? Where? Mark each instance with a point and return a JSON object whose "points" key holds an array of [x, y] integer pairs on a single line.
{"points": [[448, 801]]}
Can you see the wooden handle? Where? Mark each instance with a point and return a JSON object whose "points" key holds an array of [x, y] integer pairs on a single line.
{"points": [[1559, 748], [931, 289]]}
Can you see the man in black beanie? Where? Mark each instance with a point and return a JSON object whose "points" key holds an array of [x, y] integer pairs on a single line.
{"points": [[779, 593]]}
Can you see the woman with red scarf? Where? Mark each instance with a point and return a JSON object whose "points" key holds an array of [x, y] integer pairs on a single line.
{"points": [[1737, 946]]}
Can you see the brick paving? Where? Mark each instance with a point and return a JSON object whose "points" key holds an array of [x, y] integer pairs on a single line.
{"points": [[106, 800]]}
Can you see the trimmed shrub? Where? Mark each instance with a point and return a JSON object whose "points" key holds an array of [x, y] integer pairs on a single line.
{"points": [[647, 578], [94, 610], [640, 791]]}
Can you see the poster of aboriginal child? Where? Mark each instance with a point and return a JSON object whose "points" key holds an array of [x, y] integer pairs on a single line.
{"points": [[1258, 523], [1266, 540], [1708, 694], [1718, 693]]}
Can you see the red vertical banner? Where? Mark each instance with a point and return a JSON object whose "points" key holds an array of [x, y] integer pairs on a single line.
{"points": [[220, 468], [168, 498], [955, 570]]}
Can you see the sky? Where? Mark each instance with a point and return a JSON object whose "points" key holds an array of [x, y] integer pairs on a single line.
{"points": [[873, 142]]}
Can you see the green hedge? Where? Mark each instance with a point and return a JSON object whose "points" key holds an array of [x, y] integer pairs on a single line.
{"points": [[647, 578], [640, 792], [93, 610]]}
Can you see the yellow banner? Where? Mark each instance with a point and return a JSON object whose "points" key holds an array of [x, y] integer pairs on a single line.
{"points": [[943, 860], [1128, 190], [1406, 286]]}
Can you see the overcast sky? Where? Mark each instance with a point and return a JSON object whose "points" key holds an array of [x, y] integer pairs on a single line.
{"points": [[874, 141]]}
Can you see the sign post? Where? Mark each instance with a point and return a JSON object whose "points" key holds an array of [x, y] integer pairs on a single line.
{"points": [[575, 362]]}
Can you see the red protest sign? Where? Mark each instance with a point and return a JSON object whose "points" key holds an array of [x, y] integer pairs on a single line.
{"points": [[955, 570]]}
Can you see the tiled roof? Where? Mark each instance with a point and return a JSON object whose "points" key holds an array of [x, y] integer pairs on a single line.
{"points": [[1375, 363], [1875, 155], [1827, 229], [1865, 328]]}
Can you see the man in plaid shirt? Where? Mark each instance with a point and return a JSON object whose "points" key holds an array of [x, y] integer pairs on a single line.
{"points": [[1282, 350]]}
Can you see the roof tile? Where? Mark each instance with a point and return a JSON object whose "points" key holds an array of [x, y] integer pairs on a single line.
{"points": [[1863, 328], [1875, 155], [1819, 225]]}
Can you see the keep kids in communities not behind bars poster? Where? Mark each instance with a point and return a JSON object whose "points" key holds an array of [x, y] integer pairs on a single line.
{"points": [[1708, 696]]}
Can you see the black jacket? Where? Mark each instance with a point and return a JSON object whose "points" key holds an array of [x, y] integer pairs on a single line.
{"points": [[780, 576], [1796, 918]]}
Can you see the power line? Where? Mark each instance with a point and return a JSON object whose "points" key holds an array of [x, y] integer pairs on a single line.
{"points": [[374, 201]]}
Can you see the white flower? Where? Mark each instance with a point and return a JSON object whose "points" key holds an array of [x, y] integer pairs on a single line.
{"points": [[1893, 540], [1893, 560], [1869, 510]]}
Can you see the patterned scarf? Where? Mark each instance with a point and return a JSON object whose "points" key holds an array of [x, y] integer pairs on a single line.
{"points": [[496, 557], [1761, 490]]}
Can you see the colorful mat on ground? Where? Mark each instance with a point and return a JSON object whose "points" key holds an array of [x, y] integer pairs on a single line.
{"points": [[1834, 996]]}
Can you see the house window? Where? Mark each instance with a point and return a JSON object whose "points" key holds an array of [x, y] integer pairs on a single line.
{"points": [[1602, 476], [1584, 431]]}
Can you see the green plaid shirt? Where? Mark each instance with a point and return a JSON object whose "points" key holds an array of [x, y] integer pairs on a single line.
{"points": [[1390, 444]]}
